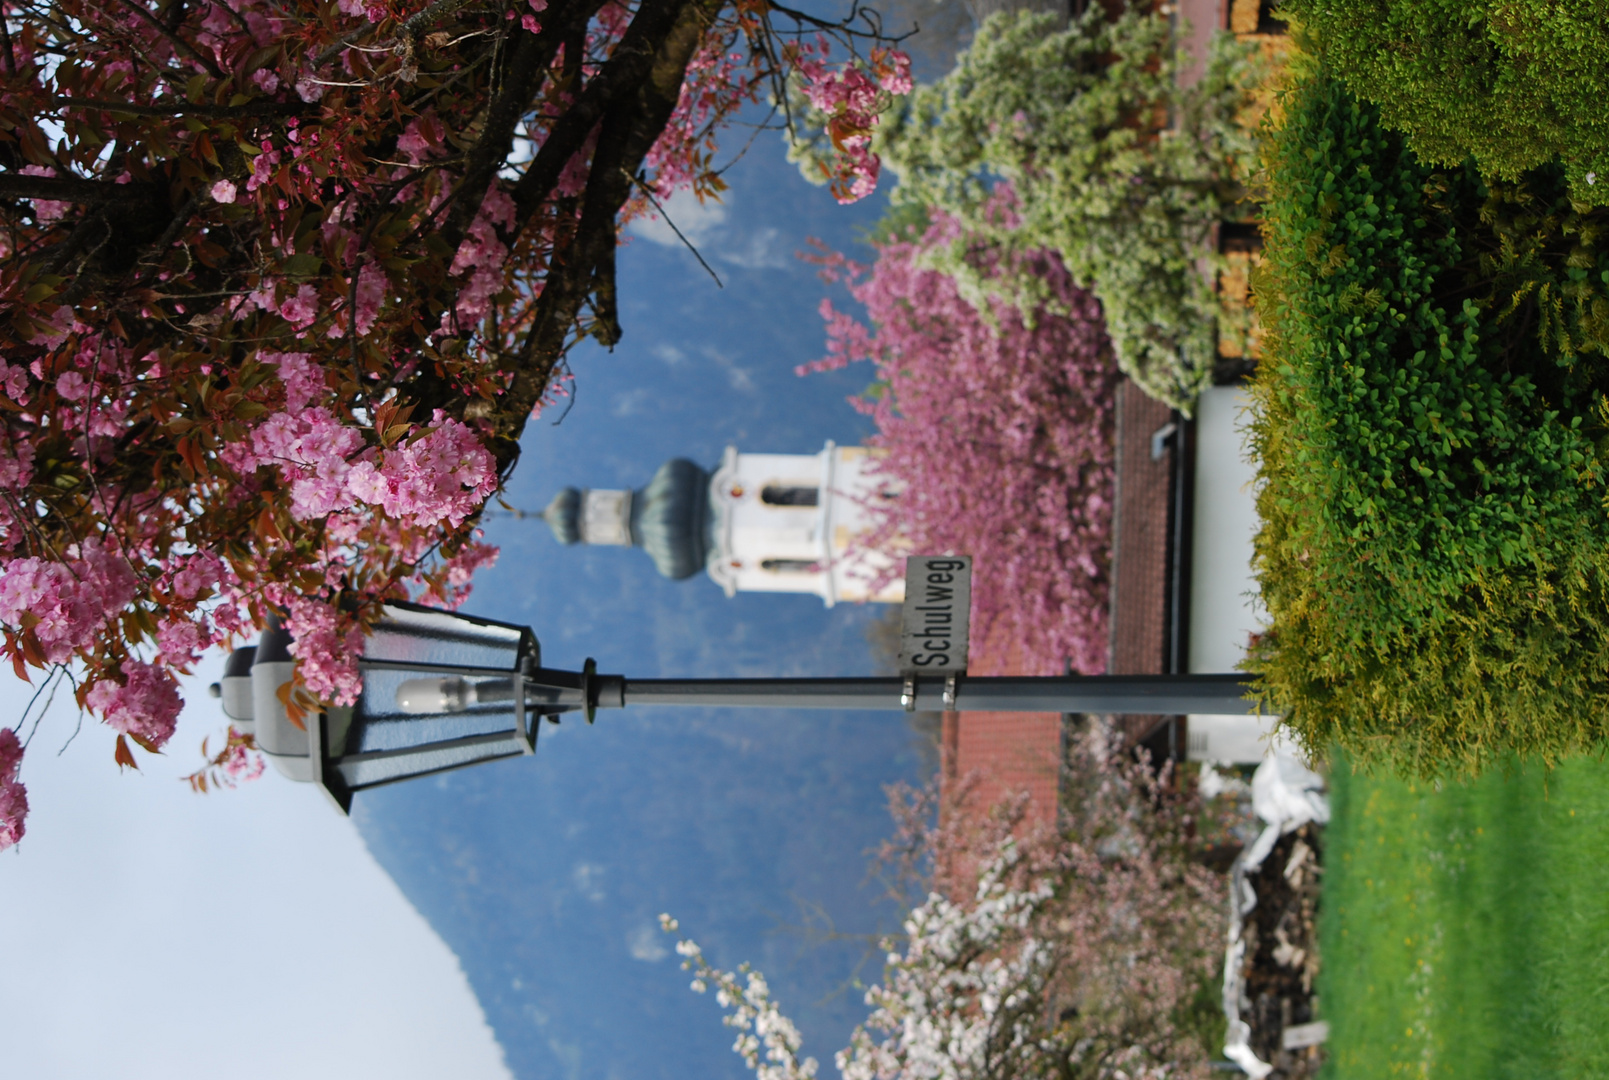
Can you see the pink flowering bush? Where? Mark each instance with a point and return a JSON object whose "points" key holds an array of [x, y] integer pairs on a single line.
{"points": [[1088, 950], [997, 423], [280, 287]]}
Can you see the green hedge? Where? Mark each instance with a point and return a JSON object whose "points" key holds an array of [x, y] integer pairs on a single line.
{"points": [[1515, 83], [1435, 552]]}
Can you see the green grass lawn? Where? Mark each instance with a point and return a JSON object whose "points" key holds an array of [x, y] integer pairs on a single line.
{"points": [[1465, 932]]}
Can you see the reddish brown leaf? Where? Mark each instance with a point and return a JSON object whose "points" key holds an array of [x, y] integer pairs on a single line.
{"points": [[145, 744], [293, 711]]}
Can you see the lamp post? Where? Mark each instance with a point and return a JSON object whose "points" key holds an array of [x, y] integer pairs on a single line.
{"points": [[443, 690]]}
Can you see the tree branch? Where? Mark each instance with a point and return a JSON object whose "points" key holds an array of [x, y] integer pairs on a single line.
{"points": [[632, 62], [585, 267], [259, 107], [73, 189], [527, 67]]}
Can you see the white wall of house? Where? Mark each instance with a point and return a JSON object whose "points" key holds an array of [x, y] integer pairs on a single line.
{"points": [[1223, 608]]}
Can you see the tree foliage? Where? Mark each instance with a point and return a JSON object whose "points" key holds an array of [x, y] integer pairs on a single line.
{"points": [[1435, 551], [1070, 119], [1514, 83], [997, 428], [281, 281]]}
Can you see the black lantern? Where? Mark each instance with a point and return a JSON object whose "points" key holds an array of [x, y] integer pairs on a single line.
{"points": [[440, 691]]}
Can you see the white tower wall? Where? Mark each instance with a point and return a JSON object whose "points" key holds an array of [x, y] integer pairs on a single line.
{"points": [[790, 522]]}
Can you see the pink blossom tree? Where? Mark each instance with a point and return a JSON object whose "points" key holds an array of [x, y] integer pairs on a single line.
{"points": [[996, 424], [282, 282]]}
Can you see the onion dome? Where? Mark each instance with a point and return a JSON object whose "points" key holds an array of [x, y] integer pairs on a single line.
{"points": [[563, 516], [670, 519]]}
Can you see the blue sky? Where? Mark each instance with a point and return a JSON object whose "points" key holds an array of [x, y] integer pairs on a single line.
{"points": [[545, 875]]}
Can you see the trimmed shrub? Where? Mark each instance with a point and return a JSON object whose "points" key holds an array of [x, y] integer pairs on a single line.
{"points": [[1515, 83], [1434, 555]]}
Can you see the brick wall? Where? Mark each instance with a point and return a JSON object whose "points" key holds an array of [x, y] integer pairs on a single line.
{"points": [[1006, 753]]}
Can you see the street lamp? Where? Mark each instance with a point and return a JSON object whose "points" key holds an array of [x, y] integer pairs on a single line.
{"points": [[443, 690]]}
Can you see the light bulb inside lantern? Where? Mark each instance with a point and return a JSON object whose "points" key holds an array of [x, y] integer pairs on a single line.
{"points": [[439, 695]]}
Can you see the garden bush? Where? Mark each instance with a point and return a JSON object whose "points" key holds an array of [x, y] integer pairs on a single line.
{"points": [[1429, 420], [1515, 83], [1067, 118]]}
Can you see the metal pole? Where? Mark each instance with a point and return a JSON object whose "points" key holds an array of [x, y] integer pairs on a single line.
{"points": [[1141, 694]]}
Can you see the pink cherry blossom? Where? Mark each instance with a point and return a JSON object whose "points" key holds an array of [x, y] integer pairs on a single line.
{"points": [[311, 450], [16, 466], [13, 380], [455, 589], [851, 99], [67, 602], [484, 254], [196, 574], [241, 763], [326, 658], [13, 795], [181, 640], [302, 309], [72, 386], [146, 704], [444, 474], [371, 290], [223, 191], [303, 379]]}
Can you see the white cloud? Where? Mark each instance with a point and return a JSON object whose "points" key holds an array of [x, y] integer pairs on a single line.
{"points": [[762, 249], [631, 402], [669, 353], [646, 944], [588, 879], [738, 377], [251, 927], [700, 222]]}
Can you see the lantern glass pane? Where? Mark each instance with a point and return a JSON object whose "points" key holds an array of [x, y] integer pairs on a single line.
{"points": [[365, 771], [419, 635], [379, 724]]}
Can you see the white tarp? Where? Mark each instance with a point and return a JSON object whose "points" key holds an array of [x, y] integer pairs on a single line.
{"points": [[1286, 795]]}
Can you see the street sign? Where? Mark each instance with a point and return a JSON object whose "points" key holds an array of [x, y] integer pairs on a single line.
{"points": [[936, 619]]}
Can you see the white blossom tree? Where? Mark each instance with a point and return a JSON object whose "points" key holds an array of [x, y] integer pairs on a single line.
{"points": [[1084, 952]]}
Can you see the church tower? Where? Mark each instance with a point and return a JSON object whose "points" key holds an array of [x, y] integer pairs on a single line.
{"points": [[757, 523]]}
